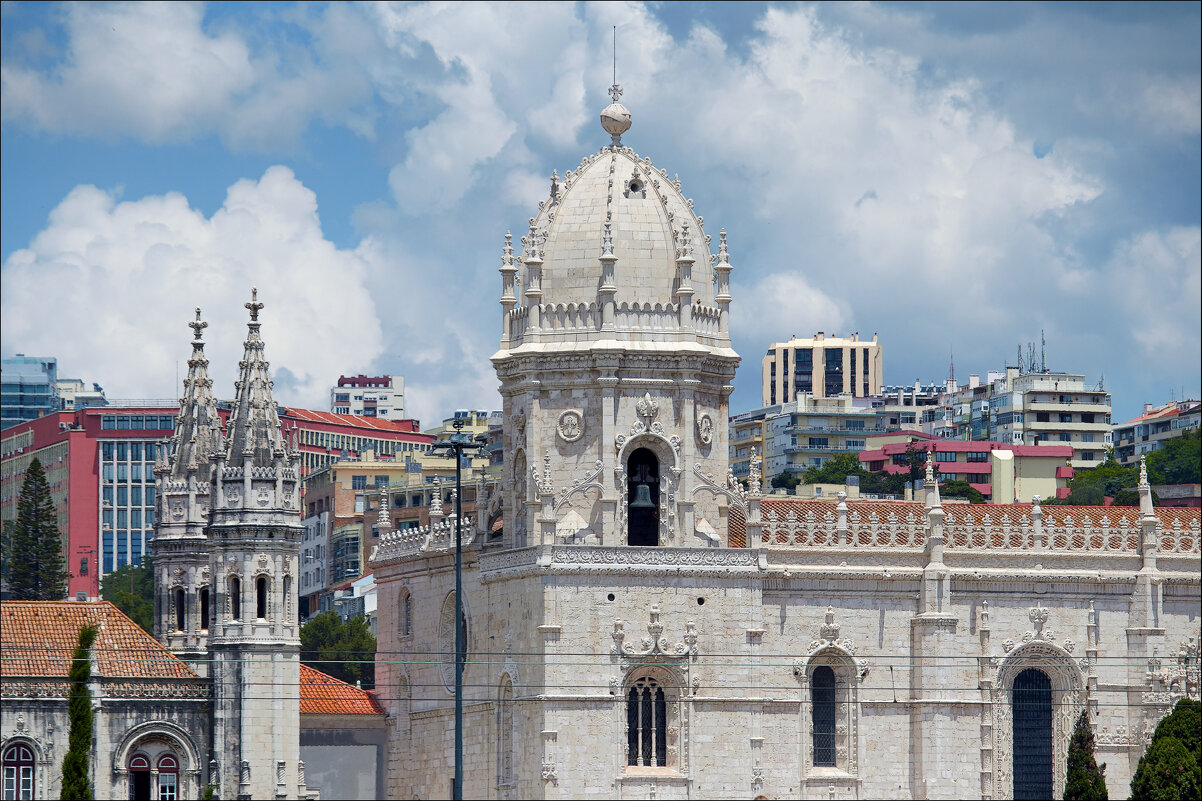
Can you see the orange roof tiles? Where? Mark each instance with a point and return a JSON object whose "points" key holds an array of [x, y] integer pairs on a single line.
{"points": [[325, 695], [37, 639], [378, 423]]}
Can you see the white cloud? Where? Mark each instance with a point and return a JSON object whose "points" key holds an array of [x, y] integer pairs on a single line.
{"points": [[1154, 281], [122, 279]]}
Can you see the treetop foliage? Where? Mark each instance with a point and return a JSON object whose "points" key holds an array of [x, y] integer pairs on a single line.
{"points": [[1170, 770], [76, 783], [346, 651], [1178, 460], [131, 589]]}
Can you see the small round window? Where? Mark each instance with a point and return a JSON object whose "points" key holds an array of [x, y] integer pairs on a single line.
{"points": [[636, 185]]}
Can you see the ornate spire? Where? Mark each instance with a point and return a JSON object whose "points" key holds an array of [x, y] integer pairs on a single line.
{"points": [[615, 118], [255, 438], [383, 521], [198, 427]]}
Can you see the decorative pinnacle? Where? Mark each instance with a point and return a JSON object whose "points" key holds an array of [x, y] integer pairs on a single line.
{"points": [[723, 254], [615, 92], [198, 326], [607, 241], [930, 477], [254, 305], [507, 259]]}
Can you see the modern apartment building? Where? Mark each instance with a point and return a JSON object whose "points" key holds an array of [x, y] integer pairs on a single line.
{"points": [[369, 396], [900, 408], [1043, 408], [808, 431], [28, 388], [822, 367], [747, 438], [324, 437], [1148, 432], [100, 466]]}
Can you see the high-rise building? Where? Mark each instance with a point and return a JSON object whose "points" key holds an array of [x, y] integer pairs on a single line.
{"points": [[369, 396], [73, 394], [28, 388], [822, 367]]}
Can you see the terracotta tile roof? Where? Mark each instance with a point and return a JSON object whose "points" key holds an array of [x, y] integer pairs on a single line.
{"points": [[325, 695], [37, 639], [355, 421]]}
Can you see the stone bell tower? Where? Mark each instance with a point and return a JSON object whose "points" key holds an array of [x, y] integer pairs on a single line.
{"points": [[255, 533], [615, 361], [184, 594]]}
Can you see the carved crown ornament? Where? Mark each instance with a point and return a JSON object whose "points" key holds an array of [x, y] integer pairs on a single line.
{"points": [[648, 410], [655, 646], [828, 637]]}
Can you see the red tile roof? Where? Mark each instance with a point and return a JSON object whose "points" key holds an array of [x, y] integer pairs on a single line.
{"points": [[325, 695], [355, 421], [37, 639]]}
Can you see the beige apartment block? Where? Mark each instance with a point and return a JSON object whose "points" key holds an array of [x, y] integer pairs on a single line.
{"points": [[822, 366]]}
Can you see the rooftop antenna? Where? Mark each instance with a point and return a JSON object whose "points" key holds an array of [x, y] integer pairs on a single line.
{"points": [[615, 56], [1020, 358], [951, 364], [1043, 353]]}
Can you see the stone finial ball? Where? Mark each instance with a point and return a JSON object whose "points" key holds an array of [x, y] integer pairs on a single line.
{"points": [[615, 119]]}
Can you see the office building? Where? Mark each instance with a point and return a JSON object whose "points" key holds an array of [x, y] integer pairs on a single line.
{"points": [[822, 367], [28, 388]]}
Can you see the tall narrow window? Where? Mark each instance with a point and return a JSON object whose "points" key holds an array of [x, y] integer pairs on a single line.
{"points": [[204, 608], [181, 610], [18, 773], [406, 610], [287, 596], [646, 724], [642, 502], [823, 689], [505, 733], [1032, 701], [139, 778], [168, 779], [261, 598], [235, 593]]}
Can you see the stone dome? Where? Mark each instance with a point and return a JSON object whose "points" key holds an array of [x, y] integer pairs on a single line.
{"points": [[651, 224]]}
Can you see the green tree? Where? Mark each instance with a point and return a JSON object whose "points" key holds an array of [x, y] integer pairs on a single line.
{"points": [[1170, 770], [77, 785], [961, 489], [835, 470], [131, 589], [785, 480], [1178, 460], [37, 569], [1085, 781], [346, 651], [1091, 487]]}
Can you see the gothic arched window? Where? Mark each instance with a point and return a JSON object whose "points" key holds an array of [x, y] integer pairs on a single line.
{"points": [[18, 772], [405, 614], [181, 610], [646, 724], [1032, 702], [642, 498], [235, 593], [823, 689]]}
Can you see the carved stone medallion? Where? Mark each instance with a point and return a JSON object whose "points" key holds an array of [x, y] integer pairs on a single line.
{"points": [[570, 425], [705, 429]]}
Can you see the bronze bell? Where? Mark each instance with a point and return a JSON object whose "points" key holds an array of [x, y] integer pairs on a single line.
{"points": [[642, 498]]}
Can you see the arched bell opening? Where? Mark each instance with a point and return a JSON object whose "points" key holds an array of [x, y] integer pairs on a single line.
{"points": [[642, 498]]}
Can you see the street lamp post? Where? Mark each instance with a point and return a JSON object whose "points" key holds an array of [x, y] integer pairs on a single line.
{"points": [[457, 443]]}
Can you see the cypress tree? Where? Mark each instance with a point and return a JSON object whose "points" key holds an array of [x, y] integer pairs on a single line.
{"points": [[77, 785], [1169, 770], [37, 570], [1085, 781]]}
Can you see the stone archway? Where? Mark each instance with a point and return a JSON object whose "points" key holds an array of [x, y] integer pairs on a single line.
{"points": [[1068, 699]]}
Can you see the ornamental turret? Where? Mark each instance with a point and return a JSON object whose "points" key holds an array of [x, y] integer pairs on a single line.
{"points": [[183, 597]]}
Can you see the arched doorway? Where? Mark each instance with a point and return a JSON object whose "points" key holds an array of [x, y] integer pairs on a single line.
{"points": [[1032, 704], [642, 498]]}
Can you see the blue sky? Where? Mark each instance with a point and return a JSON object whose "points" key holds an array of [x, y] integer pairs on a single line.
{"points": [[953, 177]]}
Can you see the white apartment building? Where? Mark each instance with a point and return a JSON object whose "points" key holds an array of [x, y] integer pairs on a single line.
{"points": [[369, 396]]}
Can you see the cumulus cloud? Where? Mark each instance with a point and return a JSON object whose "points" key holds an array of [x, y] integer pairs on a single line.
{"points": [[1154, 280], [122, 278], [152, 72]]}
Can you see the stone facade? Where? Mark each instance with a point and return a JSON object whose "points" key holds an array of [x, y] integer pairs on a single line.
{"points": [[647, 627]]}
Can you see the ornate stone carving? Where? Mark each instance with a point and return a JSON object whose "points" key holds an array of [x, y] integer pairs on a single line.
{"points": [[655, 645], [264, 496], [177, 510], [232, 496], [705, 429], [647, 408], [591, 481], [550, 774], [570, 425]]}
